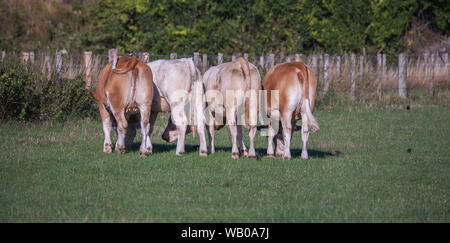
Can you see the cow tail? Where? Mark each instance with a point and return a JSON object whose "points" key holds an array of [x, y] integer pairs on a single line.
{"points": [[195, 77], [307, 106], [99, 94]]}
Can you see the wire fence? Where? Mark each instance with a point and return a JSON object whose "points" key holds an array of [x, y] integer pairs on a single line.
{"points": [[335, 73]]}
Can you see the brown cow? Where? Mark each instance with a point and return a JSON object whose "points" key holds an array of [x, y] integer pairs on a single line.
{"points": [[124, 95], [296, 85]]}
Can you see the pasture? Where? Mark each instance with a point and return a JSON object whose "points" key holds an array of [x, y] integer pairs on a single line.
{"points": [[393, 167]]}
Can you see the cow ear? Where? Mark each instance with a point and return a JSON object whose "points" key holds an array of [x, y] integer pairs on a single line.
{"points": [[94, 96]]}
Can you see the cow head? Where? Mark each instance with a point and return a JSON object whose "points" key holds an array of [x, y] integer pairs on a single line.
{"points": [[171, 133]]}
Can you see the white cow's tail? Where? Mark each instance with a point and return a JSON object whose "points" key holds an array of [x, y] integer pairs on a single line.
{"points": [[311, 120], [196, 97]]}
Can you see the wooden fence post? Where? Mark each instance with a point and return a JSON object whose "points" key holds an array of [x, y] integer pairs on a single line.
{"points": [[325, 74], [205, 63], [288, 59], [145, 57], [173, 56], [31, 54], [426, 60], [271, 61], [114, 55], [445, 63], [432, 64], [379, 74], [3, 55], [58, 64], [402, 75], [25, 57], [196, 59], [219, 58], [361, 67], [262, 63], [384, 69], [88, 68], [233, 58], [315, 66], [110, 55], [47, 65], [298, 58], [352, 76], [338, 67], [246, 56]]}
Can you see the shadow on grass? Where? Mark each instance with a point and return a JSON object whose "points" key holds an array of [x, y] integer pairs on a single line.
{"points": [[165, 147], [261, 152]]}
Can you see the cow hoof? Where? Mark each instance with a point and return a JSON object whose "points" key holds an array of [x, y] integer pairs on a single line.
{"points": [[180, 153], [270, 155], [287, 157], [251, 156], [107, 148], [245, 153], [149, 151], [279, 153], [304, 156], [120, 150], [203, 153], [143, 154], [235, 155]]}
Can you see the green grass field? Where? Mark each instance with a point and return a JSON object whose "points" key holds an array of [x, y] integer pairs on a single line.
{"points": [[56, 172]]}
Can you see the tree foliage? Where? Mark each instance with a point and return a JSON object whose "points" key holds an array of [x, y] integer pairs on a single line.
{"points": [[208, 26]]}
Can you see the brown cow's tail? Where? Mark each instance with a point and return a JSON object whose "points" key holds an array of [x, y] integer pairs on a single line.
{"points": [[99, 94], [309, 98], [94, 96], [245, 67]]}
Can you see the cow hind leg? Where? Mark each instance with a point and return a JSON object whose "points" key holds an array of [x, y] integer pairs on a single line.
{"points": [[270, 137], [242, 147], [211, 130], [181, 132], [122, 125], [120, 144], [201, 134], [146, 145], [305, 136], [278, 139], [251, 134], [107, 126], [286, 122], [234, 149]]}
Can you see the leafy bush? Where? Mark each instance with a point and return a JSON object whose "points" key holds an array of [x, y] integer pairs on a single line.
{"points": [[28, 94]]}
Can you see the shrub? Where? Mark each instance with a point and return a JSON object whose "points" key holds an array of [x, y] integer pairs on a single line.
{"points": [[28, 94]]}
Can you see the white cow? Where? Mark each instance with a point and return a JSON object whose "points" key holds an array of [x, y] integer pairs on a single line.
{"points": [[178, 89], [235, 87]]}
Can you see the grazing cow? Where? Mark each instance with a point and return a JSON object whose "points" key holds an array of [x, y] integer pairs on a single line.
{"points": [[178, 85], [233, 86], [296, 85], [124, 95]]}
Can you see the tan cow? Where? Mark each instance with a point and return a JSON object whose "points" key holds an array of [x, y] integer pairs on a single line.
{"points": [[230, 88], [124, 95], [296, 85]]}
